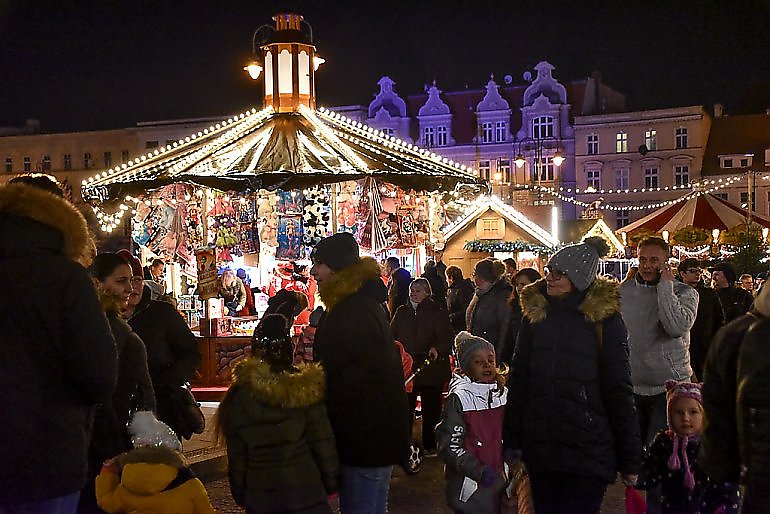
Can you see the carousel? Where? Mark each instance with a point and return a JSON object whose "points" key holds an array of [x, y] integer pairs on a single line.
{"points": [[259, 189]]}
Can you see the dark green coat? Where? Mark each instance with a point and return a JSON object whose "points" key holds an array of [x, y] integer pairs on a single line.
{"points": [[280, 444]]}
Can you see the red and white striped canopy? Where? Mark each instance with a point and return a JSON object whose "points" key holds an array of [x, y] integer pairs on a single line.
{"points": [[701, 210]]}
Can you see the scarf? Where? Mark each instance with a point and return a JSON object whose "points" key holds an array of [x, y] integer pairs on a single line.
{"points": [[680, 444]]}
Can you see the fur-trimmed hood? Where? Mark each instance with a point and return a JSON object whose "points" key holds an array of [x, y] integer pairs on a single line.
{"points": [[28, 202], [282, 390], [600, 301], [345, 282]]}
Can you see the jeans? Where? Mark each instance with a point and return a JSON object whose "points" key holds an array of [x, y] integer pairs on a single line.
{"points": [[364, 490], [67, 504]]}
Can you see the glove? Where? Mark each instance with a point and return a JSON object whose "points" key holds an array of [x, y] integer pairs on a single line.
{"points": [[488, 477]]}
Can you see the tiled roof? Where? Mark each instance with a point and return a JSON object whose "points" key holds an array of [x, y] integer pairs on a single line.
{"points": [[747, 134]]}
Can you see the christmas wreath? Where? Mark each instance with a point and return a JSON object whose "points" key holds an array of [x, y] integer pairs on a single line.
{"points": [[691, 237]]}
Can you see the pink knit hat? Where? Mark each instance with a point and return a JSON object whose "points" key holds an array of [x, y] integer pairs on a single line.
{"points": [[674, 391]]}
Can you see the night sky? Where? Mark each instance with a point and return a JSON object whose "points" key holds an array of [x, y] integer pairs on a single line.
{"points": [[83, 65]]}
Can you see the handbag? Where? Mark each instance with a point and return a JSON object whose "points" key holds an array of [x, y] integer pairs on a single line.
{"points": [[188, 413]]}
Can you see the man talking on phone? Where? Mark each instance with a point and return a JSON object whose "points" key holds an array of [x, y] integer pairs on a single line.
{"points": [[658, 312]]}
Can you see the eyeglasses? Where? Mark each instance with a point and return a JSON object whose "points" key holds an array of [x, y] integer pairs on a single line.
{"points": [[692, 270], [555, 273]]}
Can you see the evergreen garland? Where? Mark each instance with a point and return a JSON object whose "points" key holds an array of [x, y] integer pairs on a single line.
{"points": [[483, 245]]}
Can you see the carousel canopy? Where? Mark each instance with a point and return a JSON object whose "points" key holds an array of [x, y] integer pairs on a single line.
{"points": [[270, 150], [700, 210]]}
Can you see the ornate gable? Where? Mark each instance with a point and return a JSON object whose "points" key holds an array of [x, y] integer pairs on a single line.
{"points": [[492, 100], [545, 85], [434, 105], [388, 99]]}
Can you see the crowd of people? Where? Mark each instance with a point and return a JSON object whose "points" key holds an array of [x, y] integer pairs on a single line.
{"points": [[562, 383]]}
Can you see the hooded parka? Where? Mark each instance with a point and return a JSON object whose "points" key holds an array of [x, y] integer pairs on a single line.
{"points": [[365, 398], [571, 406], [57, 354], [280, 445], [488, 314]]}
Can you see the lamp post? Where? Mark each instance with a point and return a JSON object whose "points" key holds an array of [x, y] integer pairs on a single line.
{"points": [[542, 149]]}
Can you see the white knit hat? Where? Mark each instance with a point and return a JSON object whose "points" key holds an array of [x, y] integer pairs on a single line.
{"points": [[146, 430]]}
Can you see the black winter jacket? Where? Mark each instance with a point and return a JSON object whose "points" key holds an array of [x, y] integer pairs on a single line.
{"points": [[365, 398], [488, 314], [57, 354], [709, 318], [398, 289], [458, 297], [571, 406], [735, 301]]}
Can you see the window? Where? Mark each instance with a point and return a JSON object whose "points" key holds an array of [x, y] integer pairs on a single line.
{"points": [[621, 219], [651, 178], [150, 144], [8, 165], [169, 142], [542, 127], [681, 175], [501, 128], [490, 228], [727, 163], [621, 178], [88, 162], [621, 142], [124, 156], [681, 137], [46, 163], [745, 201], [484, 170], [504, 168], [428, 138], [441, 136], [723, 196], [545, 168], [487, 130], [593, 144], [67, 161], [593, 179], [744, 163], [651, 139], [389, 131], [107, 159], [27, 163]]}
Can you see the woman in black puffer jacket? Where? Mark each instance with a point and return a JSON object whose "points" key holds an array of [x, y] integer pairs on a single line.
{"points": [[570, 410], [488, 314]]}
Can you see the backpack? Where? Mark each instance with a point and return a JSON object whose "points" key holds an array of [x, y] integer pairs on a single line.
{"points": [[753, 405]]}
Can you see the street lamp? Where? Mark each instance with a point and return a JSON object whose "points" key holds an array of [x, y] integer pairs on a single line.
{"points": [[499, 181], [542, 148]]}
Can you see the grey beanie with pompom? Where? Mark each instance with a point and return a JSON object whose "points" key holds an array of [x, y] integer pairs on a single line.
{"points": [[466, 343], [580, 262]]}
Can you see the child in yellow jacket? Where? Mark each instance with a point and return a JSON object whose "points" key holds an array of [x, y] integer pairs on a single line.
{"points": [[152, 477]]}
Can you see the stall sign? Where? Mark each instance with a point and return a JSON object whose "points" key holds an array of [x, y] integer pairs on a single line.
{"points": [[208, 286]]}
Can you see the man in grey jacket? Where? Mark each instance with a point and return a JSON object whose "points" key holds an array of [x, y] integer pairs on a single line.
{"points": [[658, 312]]}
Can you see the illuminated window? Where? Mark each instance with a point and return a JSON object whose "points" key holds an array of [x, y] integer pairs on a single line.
{"points": [[593, 179], [46, 163], [651, 139], [621, 142], [544, 170], [593, 144], [27, 163], [484, 170], [88, 162], [504, 168], [67, 161]]}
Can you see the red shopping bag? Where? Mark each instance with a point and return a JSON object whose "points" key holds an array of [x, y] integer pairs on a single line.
{"points": [[635, 504]]}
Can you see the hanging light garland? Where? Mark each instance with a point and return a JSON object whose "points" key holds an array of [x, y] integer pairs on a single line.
{"points": [[481, 245]]}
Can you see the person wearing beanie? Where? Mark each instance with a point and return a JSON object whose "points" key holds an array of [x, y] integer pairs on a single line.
{"points": [[153, 477], [268, 391], [469, 432], [710, 315], [488, 314], [673, 459], [57, 353], [570, 411], [658, 312], [365, 394], [736, 301], [736, 372]]}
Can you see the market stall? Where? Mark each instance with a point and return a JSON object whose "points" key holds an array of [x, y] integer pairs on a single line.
{"points": [[261, 188]]}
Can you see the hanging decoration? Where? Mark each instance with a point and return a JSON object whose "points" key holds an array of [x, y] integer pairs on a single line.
{"points": [[268, 221], [290, 238], [635, 237], [316, 216], [691, 237], [481, 245], [370, 233], [347, 203], [223, 227]]}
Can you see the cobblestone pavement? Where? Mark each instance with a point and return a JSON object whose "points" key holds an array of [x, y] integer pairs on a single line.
{"points": [[417, 494]]}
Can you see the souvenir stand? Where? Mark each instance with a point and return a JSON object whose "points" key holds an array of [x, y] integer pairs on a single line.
{"points": [[268, 184]]}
